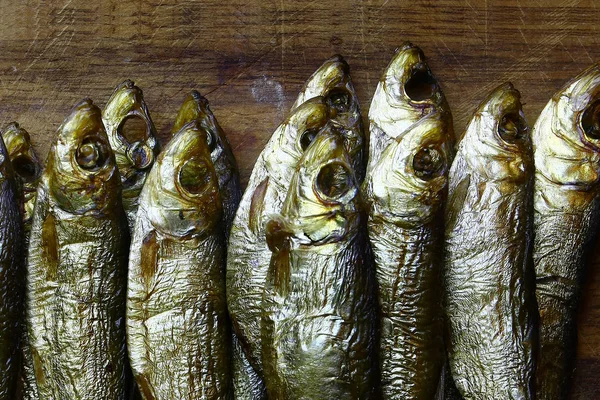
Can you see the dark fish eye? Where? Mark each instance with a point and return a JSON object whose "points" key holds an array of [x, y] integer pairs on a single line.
{"points": [[421, 85], [25, 168], [133, 129], [512, 127], [92, 154], [590, 120], [211, 140], [334, 181], [428, 163], [339, 100], [140, 155], [307, 138], [194, 176]]}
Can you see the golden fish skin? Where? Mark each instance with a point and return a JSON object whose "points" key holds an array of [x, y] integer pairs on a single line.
{"points": [[28, 169], [136, 155], [178, 332], [566, 142], [405, 193], [77, 266], [248, 254], [406, 92], [26, 164], [332, 80], [488, 268], [319, 317], [196, 108], [11, 279]]}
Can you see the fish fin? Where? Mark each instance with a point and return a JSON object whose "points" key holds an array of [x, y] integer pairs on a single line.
{"points": [[149, 256], [456, 201], [278, 237], [257, 206], [50, 247]]}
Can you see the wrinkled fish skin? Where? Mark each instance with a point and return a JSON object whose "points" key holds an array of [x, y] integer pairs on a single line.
{"points": [[195, 108], [248, 255], [11, 279], [566, 141], [406, 92], [26, 164], [319, 305], [177, 327], [405, 192], [133, 159], [488, 270], [405, 187], [77, 266], [28, 169]]}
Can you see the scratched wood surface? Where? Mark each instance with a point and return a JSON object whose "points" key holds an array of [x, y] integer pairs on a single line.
{"points": [[250, 58]]}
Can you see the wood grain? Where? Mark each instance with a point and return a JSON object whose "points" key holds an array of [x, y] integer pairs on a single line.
{"points": [[249, 58]]}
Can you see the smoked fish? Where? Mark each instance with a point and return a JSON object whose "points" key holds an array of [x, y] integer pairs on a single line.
{"points": [[488, 269], [77, 266]]}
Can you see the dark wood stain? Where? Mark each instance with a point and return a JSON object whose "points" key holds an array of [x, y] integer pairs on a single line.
{"points": [[54, 54]]}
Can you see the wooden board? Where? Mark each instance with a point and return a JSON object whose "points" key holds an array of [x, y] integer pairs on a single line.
{"points": [[250, 58]]}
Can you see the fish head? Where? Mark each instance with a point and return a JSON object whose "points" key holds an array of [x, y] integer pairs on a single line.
{"points": [[497, 142], [333, 82], [181, 195], [131, 133], [566, 136], [196, 108], [25, 162], [323, 200], [409, 182], [295, 135], [81, 173], [406, 93]]}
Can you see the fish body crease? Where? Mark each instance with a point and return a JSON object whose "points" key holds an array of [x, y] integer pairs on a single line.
{"points": [[566, 145], [77, 266], [177, 325], [488, 267]]}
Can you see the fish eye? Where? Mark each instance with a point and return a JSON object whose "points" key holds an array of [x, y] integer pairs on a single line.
{"points": [[428, 163], [194, 176], [339, 100], [92, 154], [133, 129], [512, 127], [307, 138], [25, 168], [421, 85], [140, 155], [334, 181], [211, 140], [590, 120]]}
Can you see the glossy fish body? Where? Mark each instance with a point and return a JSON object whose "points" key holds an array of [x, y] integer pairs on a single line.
{"points": [[136, 153], [77, 266], [27, 166], [566, 141], [195, 108], [488, 267], [319, 306], [28, 169], [248, 254], [11, 279], [405, 193], [404, 190], [177, 326]]}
